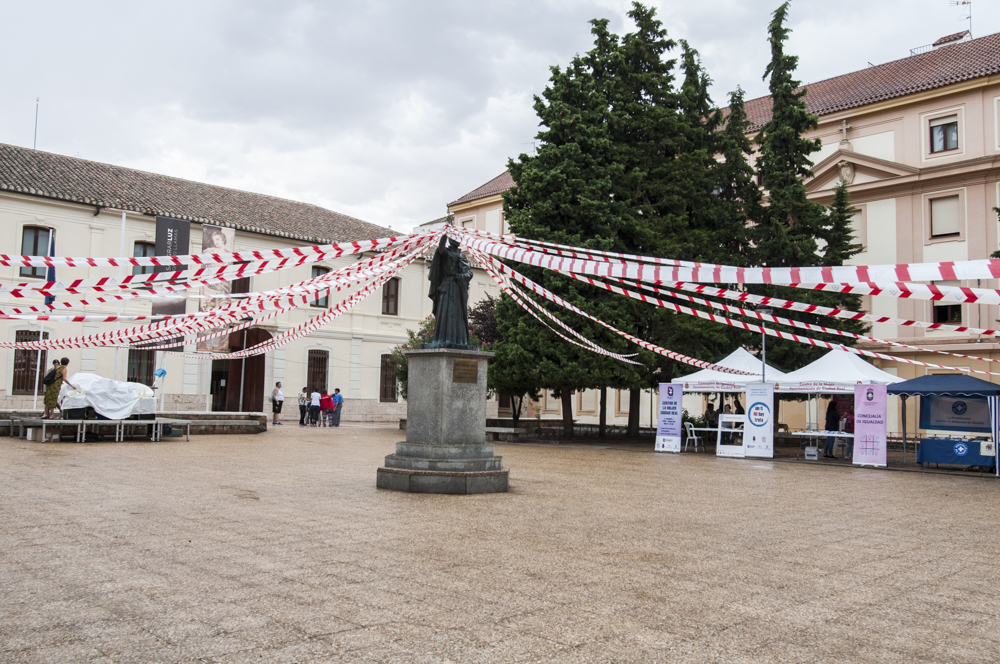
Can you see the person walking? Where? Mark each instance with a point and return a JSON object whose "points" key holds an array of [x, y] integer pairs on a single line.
{"points": [[832, 424], [326, 410], [303, 406], [277, 401], [338, 406], [314, 408], [51, 399]]}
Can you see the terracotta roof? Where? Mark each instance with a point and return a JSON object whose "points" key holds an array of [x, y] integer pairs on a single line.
{"points": [[951, 38], [497, 185], [927, 71], [103, 185]]}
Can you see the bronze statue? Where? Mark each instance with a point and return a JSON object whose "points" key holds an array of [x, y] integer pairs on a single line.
{"points": [[450, 277]]}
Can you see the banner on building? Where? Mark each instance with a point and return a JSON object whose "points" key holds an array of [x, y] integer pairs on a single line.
{"points": [[955, 413], [759, 429], [173, 238], [216, 240], [669, 423], [870, 425]]}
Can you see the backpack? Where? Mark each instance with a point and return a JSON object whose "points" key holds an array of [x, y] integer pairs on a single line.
{"points": [[50, 378]]}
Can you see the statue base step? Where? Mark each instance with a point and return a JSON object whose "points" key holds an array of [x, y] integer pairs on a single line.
{"points": [[441, 481]]}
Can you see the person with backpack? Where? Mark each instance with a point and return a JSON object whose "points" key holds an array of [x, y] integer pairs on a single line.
{"points": [[58, 377]]}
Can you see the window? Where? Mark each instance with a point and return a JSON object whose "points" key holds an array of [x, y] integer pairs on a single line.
{"points": [[324, 301], [390, 297], [621, 402], [505, 404], [34, 242], [143, 250], [387, 381], [945, 217], [317, 367], [944, 134], [26, 367], [241, 285], [141, 365], [948, 313]]}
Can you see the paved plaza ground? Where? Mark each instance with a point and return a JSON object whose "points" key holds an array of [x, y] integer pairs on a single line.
{"points": [[279, 548]]}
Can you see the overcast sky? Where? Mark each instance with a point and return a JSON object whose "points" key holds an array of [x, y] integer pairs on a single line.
{"points": [[382, 110]]}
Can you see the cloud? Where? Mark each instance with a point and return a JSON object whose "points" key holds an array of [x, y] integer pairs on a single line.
{"points": [[383, 110]]}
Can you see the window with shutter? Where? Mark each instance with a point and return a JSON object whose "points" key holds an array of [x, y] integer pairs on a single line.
{"points": [[317, 367], [26, 368], [390, 297], [944, 134], [387, 381], [945, 216]]}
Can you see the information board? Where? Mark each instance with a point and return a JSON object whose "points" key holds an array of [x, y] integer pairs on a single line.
{"points": [[759, 431], [869, 425], [668, 423]]}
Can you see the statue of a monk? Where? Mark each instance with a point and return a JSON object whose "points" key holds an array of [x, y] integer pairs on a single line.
{"points": [[450, 277]]}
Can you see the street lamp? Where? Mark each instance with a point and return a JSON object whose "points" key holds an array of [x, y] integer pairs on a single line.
{"points": [[243, 362], [764, 310]]}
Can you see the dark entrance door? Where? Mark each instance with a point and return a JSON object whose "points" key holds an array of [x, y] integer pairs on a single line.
{"points": [[227, 374]]}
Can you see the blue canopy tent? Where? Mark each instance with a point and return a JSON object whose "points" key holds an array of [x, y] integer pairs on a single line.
{"points": [[951, 385]]}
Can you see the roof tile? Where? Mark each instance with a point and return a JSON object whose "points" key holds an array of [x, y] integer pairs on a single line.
{"points": [[927, 71], [93, 183], [497, 185]]}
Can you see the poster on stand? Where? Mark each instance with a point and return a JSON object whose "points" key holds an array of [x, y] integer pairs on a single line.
{"points": [[216, 240], [668, 425], [869, 425], [759, 433]]}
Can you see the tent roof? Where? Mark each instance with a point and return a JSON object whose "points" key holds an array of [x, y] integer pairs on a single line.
{"points": [[709, 380], [946, 384], [837, 371]]}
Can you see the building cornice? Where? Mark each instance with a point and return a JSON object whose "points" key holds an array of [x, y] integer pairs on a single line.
{"points": [[487, 200]]}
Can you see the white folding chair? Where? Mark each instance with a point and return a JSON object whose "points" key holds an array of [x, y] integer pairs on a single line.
{"points": [[690, 434]]}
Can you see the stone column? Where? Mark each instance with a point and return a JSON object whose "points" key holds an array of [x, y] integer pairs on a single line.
{"points": [[445, 449]]}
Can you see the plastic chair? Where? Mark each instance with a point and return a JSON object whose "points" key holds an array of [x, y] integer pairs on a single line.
{"points": [[690, 434]]}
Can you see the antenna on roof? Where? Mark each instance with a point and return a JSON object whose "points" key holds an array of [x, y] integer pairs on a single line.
{"points": [[963, 3], [34, 143]]}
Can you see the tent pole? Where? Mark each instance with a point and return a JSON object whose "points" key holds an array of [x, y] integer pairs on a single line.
{"points": [[903, 397]]}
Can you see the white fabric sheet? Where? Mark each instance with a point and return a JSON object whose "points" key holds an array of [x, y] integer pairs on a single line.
{"points": [[113, 399]]}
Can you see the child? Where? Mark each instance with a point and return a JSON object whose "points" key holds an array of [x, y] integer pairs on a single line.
{"points": [[326, 409]]}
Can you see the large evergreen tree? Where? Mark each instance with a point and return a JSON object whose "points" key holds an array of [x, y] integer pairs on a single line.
{"points": [[791, 230]]}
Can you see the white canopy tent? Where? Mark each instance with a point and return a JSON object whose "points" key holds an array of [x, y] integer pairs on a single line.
{"points": [[837, 372], [708, 380]]}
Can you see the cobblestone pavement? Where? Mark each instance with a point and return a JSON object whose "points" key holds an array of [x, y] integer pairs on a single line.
{"points": [[279, 548]]}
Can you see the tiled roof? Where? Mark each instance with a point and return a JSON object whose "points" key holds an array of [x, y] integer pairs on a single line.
{"points": [[103, 185], [927, 71], [497, 185], [951, 38]]}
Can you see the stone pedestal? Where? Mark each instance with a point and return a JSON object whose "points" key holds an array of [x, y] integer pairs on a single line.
{"points": [[445, 450]]}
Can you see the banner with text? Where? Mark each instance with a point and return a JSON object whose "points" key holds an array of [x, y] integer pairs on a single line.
{"points": [[759, 432], [869, 424], [943, 413], [668, 425], [173, 238]]}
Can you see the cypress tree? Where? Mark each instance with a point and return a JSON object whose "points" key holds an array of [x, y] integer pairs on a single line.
{"points": [[789, 224]]}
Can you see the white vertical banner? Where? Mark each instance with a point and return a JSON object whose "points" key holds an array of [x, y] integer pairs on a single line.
{"points": [[668, 424], [759, 433]]}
